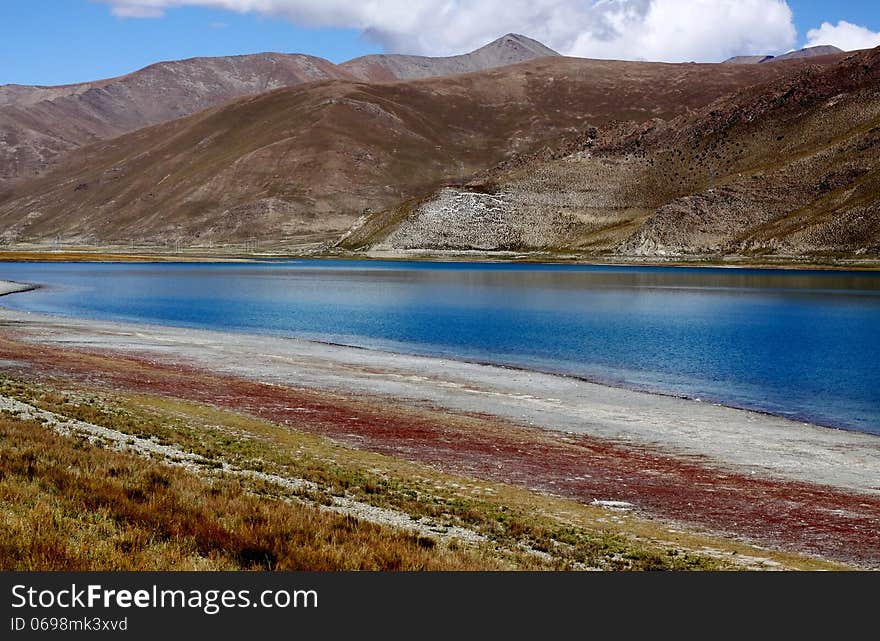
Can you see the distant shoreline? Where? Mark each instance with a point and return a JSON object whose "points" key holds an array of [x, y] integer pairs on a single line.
{"points": [[430, 256]]}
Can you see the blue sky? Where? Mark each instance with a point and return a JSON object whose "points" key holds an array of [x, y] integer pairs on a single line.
{"points": [[809, 14], [63, 41]]}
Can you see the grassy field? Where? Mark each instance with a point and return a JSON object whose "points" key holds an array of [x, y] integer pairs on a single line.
{"points": [[71, 501], [67, 504]]}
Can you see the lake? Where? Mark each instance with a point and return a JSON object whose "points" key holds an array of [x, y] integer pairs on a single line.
{"points": [[800, 344]]}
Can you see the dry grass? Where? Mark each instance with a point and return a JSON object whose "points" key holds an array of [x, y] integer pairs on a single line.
{"points": [[509, 515], [525, 529], [68, 505]]}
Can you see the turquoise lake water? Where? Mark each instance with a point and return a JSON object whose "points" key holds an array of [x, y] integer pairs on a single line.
{"points": [[801, 344]]}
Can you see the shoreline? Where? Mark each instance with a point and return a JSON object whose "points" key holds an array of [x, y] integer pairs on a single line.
{"points": [[591, 380], [539, 258], [740, 439], [137, 401], [438, 256]]}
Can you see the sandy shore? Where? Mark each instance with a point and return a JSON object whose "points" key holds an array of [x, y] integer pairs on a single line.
{"points": [[743, 441]]}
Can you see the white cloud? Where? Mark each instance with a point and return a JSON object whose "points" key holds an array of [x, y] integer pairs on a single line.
{"points": [[137, 9], [844, 35], [681, 30], [670, 30]]}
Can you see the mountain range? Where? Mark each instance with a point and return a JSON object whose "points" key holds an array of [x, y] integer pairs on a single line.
{"points": [[784, 168], [511, 147], [39, 124]]}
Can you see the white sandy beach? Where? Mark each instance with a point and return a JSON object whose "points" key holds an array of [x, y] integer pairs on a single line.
{"points": [[742, 440]]}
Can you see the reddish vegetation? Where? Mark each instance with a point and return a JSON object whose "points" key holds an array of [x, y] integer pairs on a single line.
{"points": [[808, 518]]}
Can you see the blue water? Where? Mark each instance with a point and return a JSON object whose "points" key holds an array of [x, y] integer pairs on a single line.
{"points": [[805, 345]]}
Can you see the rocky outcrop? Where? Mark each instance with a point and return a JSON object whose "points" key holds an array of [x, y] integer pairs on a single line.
{"points": [[458, 220]]}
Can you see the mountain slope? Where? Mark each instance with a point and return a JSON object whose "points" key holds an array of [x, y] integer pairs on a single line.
{"points": [[789, 168], [202, 79], [507, 50], [40, 124], [301, 164], [809, 52]]}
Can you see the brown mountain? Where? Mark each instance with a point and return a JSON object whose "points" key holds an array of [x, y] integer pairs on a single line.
{"points": [[507, 50], [748, 60], [39, 124], [301, 164], [809, 52], [789, 167]]}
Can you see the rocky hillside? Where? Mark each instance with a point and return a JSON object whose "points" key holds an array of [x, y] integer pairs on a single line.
{"points": [[300, 164], [40, 124], [787, 167]]}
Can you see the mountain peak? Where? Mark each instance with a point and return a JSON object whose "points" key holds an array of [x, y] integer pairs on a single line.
{"points": [[506, 50], [809, 52], [531, 45]]}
